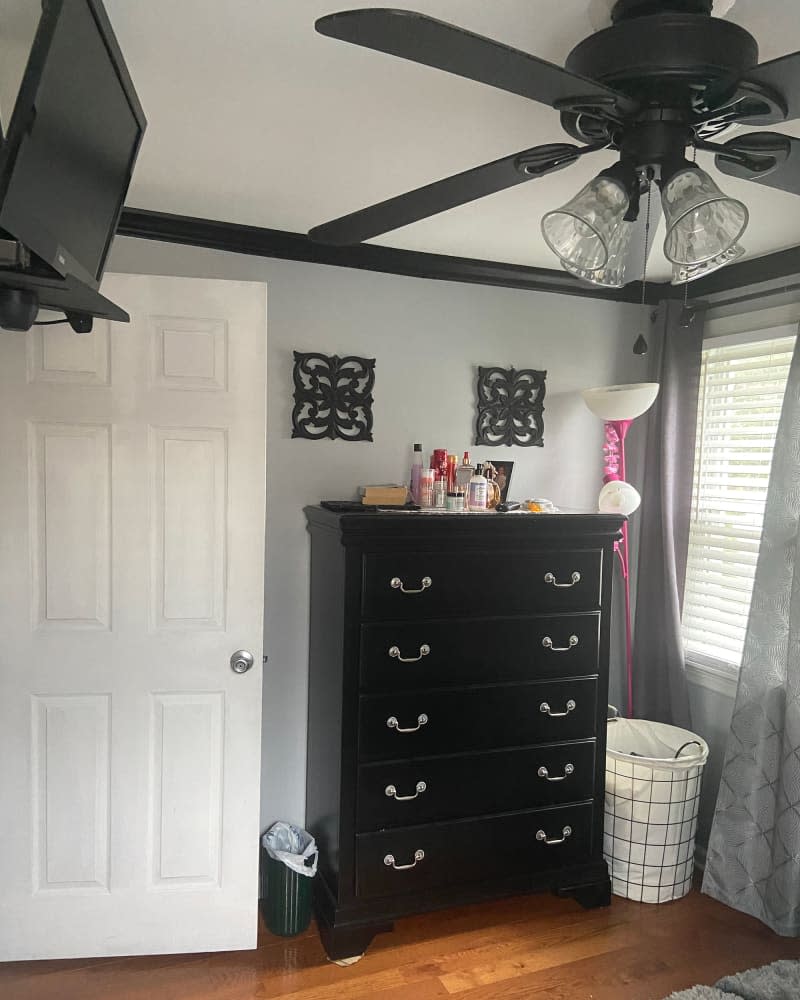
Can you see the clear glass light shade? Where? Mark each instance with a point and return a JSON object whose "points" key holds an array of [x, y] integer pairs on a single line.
{"points": [[621, 402], [702, 222], [683, 273], [613, 272], [581, 231]]}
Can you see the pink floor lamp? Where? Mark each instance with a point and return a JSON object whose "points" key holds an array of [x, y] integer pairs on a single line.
{"points": [[619, 406]]}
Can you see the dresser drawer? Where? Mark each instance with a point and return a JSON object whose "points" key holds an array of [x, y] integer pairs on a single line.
{"points": [[416, 654], [410, 585], [471, 850], [406, 793], [424, 723]]}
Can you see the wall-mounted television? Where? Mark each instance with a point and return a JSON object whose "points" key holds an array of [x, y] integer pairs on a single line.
{"points": [[67, 157]]}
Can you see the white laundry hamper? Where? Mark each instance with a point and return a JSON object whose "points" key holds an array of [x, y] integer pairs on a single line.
{"points": [[653, 776]]}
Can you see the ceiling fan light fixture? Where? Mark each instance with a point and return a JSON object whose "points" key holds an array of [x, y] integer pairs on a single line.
{"points": [[581, 231], [684, 273], [703, 223], [613, 274]]}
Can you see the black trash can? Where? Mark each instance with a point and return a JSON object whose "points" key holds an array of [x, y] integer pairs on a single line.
{"points": [[289, 863]]}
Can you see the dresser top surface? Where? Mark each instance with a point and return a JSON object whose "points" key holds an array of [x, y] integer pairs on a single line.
{"points": [[424, 523]]}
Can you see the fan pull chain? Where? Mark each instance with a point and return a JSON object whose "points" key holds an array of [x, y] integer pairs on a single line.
{"points": [[640, 347]]}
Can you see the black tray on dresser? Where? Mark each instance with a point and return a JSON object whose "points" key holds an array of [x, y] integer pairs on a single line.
{"points": [[457, 704]]}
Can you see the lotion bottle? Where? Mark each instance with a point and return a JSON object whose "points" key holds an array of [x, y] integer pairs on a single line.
{"points": [[477, 490]]}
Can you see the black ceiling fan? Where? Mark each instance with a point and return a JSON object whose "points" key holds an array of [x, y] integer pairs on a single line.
{"points": [[665, 76]]}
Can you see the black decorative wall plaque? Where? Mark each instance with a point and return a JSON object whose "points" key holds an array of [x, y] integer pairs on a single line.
{"points": [[332, 397], [510, 406]]}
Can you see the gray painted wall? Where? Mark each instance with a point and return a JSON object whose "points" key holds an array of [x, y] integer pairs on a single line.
{"points": [[427, 336]]}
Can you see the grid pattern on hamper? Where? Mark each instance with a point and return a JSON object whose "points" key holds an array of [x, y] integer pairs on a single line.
{"points": [[649, 832]]}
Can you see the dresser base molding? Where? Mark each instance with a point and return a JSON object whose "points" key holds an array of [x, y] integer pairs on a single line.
{"points": [[347, 931]]}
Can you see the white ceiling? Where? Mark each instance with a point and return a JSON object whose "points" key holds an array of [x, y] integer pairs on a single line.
{"points": [[255, 118]]}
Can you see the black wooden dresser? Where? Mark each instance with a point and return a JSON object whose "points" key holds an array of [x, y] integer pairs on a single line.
{"points": [[457, 706]]}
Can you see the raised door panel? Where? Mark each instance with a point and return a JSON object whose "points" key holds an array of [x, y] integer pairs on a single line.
{"points": [[70, 775], [58, 354], [189, 353], [186, 795], [70, 525], [189, 527]]}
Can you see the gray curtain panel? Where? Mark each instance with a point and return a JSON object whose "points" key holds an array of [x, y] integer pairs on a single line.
{"points": [[659, 668], [753, 861]]}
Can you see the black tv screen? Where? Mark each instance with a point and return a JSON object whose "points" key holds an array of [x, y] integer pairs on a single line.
{"points": [[71, 143]]}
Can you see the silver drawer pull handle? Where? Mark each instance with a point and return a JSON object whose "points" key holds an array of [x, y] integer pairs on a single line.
{"points": [[394, 651], [545, 709], [391, 791], [397, 584], [566, 832], [544, 773], [550, 578], [547, 642], [392, 723], [390, 862]]}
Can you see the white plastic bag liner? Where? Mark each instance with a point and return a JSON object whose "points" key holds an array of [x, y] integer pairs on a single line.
{"points": [[651, 805], [296, 848]]}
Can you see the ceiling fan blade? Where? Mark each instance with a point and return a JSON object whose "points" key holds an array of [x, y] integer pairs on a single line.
{"points": [[444, 46], [448, 193], [783, 77], [768, 158]]}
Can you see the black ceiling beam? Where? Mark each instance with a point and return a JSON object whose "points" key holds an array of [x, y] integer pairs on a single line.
{"points": [[771, 267], [260, 242]]}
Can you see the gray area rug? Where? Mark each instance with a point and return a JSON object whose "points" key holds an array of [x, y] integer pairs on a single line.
{"points": [[779, 981]]}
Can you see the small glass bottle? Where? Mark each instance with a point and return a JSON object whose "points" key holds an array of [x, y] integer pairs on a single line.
{"points": [[426, 481], [416, 470], [439, 493]]}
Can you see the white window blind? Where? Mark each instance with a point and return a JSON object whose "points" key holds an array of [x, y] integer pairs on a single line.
{"points": [[741, 393]]}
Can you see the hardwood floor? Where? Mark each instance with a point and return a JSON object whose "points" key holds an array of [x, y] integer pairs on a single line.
{"points": [[537, 948]]}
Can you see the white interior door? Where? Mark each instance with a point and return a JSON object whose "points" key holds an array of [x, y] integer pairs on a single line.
{"points": [[132, 486]]}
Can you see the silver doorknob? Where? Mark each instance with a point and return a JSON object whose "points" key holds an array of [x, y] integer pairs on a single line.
{"points": [[241, 661]]}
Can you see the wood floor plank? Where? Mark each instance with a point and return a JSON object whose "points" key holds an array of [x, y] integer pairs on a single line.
{"points": [[528, 948]]}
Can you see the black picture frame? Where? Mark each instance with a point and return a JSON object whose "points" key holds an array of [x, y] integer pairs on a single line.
{"points": [[510, 407], [502, 475]]}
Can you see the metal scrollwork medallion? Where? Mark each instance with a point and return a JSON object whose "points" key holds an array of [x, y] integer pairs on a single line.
{"points": [[510, 406], [332, 397]]}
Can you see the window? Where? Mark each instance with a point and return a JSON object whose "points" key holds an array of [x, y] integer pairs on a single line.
{"points": [[742, 385]]}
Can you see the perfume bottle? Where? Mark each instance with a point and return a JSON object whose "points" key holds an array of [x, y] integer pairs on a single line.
{"points": [[464, 473], [492, 487]]}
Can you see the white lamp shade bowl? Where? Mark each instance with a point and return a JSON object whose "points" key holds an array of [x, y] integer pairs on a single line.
{"points": [[621, 402], [618, 497]]}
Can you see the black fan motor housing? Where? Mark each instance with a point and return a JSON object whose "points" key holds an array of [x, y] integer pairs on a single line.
{"points": [[644, 55]]}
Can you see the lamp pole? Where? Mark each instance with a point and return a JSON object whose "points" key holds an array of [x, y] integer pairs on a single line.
{"points": [[614, 470]]}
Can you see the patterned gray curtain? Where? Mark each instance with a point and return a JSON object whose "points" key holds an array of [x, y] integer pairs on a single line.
{"points": [[753, 861]]}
